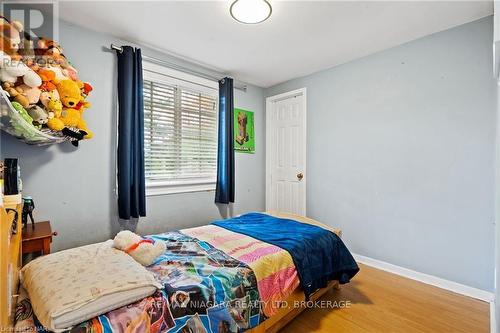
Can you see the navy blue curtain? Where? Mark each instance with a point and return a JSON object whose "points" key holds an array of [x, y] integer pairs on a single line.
{"points": [[224, 192], [131, 183]]}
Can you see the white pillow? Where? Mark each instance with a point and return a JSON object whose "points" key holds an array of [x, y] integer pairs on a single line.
{"points": [[88, 280]]}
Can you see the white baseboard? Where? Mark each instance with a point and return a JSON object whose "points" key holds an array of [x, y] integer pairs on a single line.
{"points": [[458, 288]]}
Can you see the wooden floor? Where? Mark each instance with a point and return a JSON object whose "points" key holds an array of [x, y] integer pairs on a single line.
{"points": [[384, 302]]}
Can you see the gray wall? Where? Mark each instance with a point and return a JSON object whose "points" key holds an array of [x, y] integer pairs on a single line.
{"points": [[401, 153], [74, 188]]}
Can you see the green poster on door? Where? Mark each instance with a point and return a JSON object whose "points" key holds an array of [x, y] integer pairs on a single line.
{"points": [[244, 135]]}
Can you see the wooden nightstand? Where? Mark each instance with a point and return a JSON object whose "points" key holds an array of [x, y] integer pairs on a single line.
{"points": [[38, 238]]}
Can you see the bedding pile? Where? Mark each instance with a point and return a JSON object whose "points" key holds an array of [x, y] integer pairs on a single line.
{"points": [[213, 280]]}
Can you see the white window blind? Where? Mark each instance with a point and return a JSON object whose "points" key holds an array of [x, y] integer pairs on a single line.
{"points": [[180, 135]]}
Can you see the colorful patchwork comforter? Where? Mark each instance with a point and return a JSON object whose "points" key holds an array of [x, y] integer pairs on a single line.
{"points": [[273, 267], [215, 280]]}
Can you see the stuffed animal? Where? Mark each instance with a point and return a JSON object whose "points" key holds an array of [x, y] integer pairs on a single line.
{"points": [[40, 117], [22, 112], [58, 72], [144, 251], [32, 93], [51, 102], [69, 92], [48, 78], [10, 38], [70, 72], [71, 98], [27, 49], [49, 48], [10, 66], [41, 83], [55, 123], [16, 94], [86, 88], [72, 118], [19, 124], [52, 56], [11, 70]]}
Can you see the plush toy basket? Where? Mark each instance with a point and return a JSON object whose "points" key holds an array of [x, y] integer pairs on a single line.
{"points": [[12, 123]]}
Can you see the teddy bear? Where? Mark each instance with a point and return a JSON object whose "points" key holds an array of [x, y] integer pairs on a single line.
{"points": [[10, 38], [32, 93], [55, 121], [11, 70], [16, 94], [69, 93], [144, 251], [73, 106]]}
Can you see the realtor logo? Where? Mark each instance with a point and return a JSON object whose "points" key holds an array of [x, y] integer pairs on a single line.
{"points": [[35, 19]]}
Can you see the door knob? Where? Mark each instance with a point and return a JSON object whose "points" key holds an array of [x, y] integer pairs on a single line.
{"points": [[300, 175]]}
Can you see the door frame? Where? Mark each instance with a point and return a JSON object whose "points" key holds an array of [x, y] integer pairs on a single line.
{"points": [[269, 100]]}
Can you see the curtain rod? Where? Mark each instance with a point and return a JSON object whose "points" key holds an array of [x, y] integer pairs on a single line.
{"points": [[157, 61]]}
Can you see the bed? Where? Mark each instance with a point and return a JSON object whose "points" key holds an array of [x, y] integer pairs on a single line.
{"points": [[228, 276]]}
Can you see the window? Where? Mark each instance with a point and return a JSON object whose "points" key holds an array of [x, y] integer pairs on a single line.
{"points": [[180, 131]]}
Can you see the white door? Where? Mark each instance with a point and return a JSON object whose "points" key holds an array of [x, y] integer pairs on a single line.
{"points": [[286, 152]]}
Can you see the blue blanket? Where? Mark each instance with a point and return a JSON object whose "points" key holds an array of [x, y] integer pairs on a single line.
{"points": [[319, 255]]}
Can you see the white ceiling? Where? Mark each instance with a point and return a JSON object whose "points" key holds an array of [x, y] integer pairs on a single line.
{"points": [[300, 38]]}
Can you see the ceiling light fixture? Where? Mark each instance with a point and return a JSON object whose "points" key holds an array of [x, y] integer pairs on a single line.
{"points": [[250, 11]]}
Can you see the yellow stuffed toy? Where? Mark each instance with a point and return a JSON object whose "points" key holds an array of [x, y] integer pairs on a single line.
{"points": [[73, 106], [50, 100]]}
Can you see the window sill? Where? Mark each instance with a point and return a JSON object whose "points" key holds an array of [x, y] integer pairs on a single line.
{"points": [[158, 188]]}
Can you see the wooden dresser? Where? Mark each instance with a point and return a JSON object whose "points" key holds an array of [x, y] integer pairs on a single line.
{"points": [[10, 262]]}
